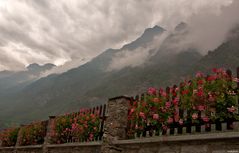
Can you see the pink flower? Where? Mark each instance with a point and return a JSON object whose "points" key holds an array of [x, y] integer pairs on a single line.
{"points": [[231, 109], [163, 110], [195, 116], [205, 119], [211, 98], [199, 75], [176, 117], [170, 120], [132, 110], [201, 107], [74, 126], [164, 127], [167, 104], [235, 79], [155, 116], [180, 121], [141, 114], [152, 91], [164, 94], [91, 136]]}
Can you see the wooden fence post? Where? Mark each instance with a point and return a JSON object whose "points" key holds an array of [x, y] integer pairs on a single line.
{"points": [[115, 124]]}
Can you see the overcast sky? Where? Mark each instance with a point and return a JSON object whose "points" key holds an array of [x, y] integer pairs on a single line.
{"points": [[60, 31]]}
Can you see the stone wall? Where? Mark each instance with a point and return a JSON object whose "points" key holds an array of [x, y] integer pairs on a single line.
{"points": [[114, 139], [226, 142]]}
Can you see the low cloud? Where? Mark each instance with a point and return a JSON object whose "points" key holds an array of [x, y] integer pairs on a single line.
{"points": [[138, 56], [60, 31], [65, 67], [208, 30]]}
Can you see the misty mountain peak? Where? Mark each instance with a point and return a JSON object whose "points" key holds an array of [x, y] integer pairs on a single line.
{"points": [[146, 37], [33, 66], [37, 67], [153, 31], [181, 26]]}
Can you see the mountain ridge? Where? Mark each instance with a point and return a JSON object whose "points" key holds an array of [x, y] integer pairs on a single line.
{"points": [[90, 84]]}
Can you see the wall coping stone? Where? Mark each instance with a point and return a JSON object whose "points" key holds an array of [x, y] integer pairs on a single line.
{"points": [[30, 146], [191, 137], [97, 143], [3, 148], [120, 97]]}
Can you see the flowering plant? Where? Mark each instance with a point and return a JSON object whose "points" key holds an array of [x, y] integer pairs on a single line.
{"points": [[33, 134], [154, 110], [202, 100], [8, 137], [82, 126], [214, 97]]}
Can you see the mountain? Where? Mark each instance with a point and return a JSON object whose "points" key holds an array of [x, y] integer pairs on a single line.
{"points": [[10, 81], [93, 83]]}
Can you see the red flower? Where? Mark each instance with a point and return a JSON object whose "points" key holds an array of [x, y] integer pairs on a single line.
{"points": [[175, 101], [201, 107], [214, 70], [200, 92], [200, 82], [185, 92], [205, 119], [211, 78]]}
